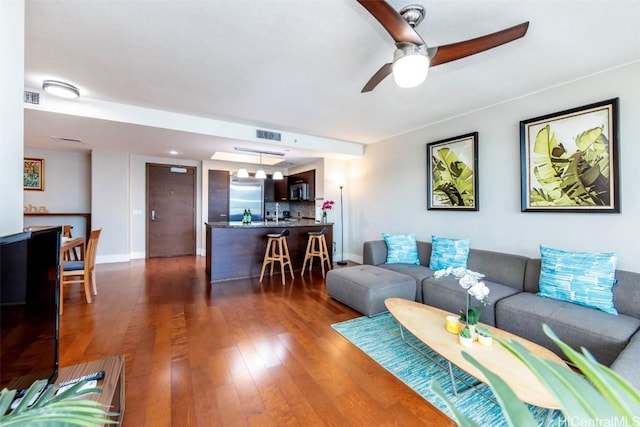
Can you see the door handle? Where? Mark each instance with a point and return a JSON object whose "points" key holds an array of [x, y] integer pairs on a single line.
{"points": [[153, 215]]}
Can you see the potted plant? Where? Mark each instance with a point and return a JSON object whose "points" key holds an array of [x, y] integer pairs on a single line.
{"points": [[473, 285], [595, 397], [471, 318], [484, 336], [62, 409], [465, 337]]}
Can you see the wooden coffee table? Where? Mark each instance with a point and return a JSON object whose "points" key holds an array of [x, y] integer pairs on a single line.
{"points": [[427, 324]]}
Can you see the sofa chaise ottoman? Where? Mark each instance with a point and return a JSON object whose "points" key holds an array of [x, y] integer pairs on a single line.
{"points": [[365, 287]]}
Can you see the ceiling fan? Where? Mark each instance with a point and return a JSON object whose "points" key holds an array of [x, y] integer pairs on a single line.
{"points": [[412, 58]]}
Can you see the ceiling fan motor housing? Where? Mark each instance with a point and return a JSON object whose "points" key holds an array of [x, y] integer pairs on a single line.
{"points": [[406, 49]]}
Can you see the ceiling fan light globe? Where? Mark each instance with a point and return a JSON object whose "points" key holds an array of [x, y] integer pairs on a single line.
{"points": [[410, 70]]}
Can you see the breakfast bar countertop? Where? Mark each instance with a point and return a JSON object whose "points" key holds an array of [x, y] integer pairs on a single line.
{"points": [[267, 224]]}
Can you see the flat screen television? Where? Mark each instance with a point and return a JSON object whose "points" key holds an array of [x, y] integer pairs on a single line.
{"points": [[29, 298]]}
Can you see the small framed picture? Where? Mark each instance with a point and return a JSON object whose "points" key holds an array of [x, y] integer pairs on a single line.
{"points": [[569, 160], [33, 175], [452, 173]]}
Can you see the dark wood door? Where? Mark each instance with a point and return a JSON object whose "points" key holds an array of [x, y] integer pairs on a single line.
{"points": [[218, 196], [171, 210]]}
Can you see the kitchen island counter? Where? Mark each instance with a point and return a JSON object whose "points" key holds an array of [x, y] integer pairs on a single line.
{"points": [[236, 250]]}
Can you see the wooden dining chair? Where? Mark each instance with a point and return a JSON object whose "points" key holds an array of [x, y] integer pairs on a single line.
{"points": [[82, 272]]}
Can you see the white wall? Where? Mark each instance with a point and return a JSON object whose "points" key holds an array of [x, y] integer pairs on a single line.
{"points": [[110, 204], [11, 115], [67, 189], [335, 175], [388, 185], [109, 185], [67, 179]]}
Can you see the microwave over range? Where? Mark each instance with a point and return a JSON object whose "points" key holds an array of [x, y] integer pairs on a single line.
{"points": [[299, 191]]}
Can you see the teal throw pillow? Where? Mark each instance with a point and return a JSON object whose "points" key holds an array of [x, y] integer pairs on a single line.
{"points": [[579, 277], [401, 248], [448, 253]]}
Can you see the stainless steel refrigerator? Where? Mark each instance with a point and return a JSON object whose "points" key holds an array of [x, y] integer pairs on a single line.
{"points": [[246, 193]]}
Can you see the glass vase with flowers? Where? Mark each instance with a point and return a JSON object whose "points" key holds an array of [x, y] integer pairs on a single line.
{"points": [[327, 205]]}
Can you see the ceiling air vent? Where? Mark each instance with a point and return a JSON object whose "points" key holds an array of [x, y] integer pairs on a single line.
{"points": [[265, 134], [31, 97]]}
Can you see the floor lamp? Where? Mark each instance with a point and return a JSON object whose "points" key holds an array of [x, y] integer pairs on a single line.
{"points": [[342, 261]]}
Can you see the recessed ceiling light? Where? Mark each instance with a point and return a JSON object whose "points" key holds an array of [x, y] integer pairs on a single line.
{"points": [[64, 90], [173, 152]]}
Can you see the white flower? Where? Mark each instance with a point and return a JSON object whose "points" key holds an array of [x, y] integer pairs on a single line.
{"points": [[479, 291], [443, 272], [467, 281], [459, 271]]}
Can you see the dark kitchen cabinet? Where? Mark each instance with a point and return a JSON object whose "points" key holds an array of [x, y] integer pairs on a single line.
{"points": [[307, 177], [276, 190], [281, 190], [269, 189], [218, 195]]}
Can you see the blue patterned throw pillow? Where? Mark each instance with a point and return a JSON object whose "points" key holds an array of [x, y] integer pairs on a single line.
{"points": [[401, 248], [579, 277], [448, 253]]}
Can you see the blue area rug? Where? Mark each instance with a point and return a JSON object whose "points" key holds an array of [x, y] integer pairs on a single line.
{"points": [[379, 337]]}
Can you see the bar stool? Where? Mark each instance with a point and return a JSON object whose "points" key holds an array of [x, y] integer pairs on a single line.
{"points": [[317, 247], [277, 251]]}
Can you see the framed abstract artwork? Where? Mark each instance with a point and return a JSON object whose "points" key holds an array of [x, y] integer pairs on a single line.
{"points": [[452, 173], [569, 160], [33, 174]]}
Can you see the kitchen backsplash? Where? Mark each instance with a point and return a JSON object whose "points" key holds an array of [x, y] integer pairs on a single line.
{"points": [[302, 209]]}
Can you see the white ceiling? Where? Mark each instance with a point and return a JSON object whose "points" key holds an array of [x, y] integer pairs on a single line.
{"points": [[295, 66]]}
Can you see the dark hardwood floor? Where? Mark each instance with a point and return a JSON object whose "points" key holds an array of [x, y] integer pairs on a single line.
{"points": [[235, 353]]}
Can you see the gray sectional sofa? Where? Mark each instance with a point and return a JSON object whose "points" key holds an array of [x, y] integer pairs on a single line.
{"points": [[515, 307]]}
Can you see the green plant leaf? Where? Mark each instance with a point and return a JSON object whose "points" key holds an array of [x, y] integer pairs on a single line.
{"points": [[64, 409], [546, 171], [515, 412], [614, 389], [461, 419], [575, 395], [452, 179]]}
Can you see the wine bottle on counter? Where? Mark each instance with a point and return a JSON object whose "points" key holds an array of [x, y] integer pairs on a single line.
{"points": [[249, 216]]}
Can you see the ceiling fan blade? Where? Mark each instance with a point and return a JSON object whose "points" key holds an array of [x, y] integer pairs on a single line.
{"points": [[383, 72], [391, 20], [454, 51]]}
